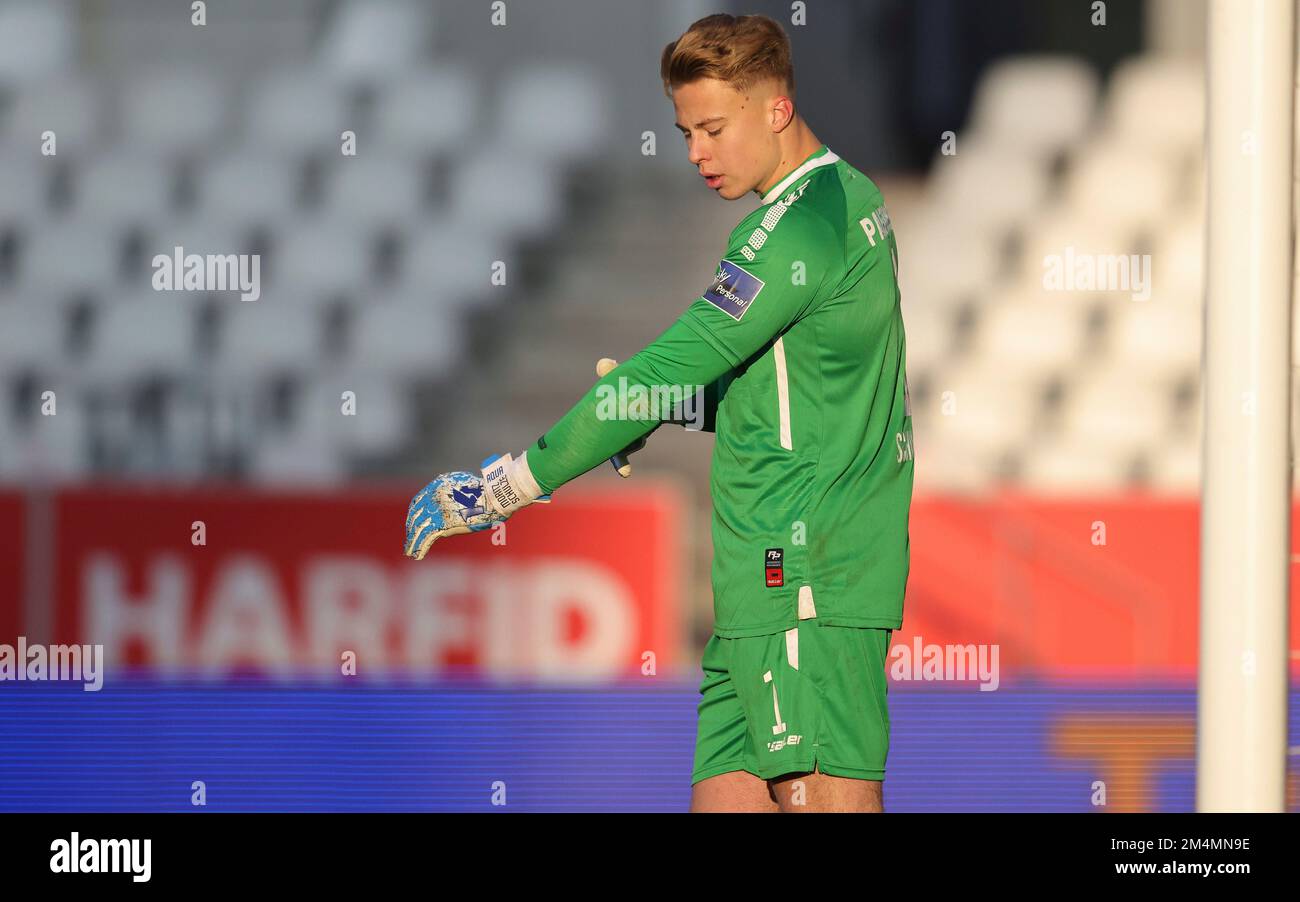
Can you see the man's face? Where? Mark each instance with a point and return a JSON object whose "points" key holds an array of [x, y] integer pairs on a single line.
{"points": [[729, 135]]}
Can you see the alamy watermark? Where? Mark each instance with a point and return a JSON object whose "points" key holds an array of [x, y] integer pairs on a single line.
{"points": [[75, 855], [634, 401], [73, 663], [947, 663], [1073, 271], [209, 272]]}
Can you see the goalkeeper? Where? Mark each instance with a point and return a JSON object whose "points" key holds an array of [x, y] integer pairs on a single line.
{"points": [[800, 339]]}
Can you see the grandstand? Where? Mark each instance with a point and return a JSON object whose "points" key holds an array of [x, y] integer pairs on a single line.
{"points": [[377, 268], [373, 266]]}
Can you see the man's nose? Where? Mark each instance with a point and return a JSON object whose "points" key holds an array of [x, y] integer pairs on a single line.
{"points": [[695, 152]]}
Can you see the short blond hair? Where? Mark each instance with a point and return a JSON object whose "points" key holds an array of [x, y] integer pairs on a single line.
{"points": [[739, 50]]}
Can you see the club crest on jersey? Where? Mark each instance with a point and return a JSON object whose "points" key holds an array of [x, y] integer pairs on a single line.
{"points": [[733, 289]]}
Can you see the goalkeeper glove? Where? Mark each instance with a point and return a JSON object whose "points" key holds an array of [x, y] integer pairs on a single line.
{"points": [[459, 502]]}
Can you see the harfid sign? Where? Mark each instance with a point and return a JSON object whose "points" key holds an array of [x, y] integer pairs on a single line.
{"points": [[280, 584]]}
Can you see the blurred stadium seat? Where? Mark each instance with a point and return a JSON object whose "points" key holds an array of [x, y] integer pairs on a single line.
{"points": [[172, 111], [1159, 104], [297, 111], [37, 38], [251, 187], [67, 105], [138, 337], [428, 110], [375, 38], [1040, 105]]}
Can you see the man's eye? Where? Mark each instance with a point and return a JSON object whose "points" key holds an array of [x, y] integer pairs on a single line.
{"points": [[715, 134]]}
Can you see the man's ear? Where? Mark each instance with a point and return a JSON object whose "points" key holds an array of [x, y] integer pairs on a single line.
{"points": [[782, 113]]}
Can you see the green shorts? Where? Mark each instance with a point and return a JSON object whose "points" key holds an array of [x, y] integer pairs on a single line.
{"points": [[810, 698]]}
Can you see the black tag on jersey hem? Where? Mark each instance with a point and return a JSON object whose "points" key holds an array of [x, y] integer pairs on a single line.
{"points": [[774, 567]]}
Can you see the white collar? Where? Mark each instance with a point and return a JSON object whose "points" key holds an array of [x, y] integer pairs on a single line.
{"points": [[824, 160]]}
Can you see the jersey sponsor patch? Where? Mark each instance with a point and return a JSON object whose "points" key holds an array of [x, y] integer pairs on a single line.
{"points": [[774, 567], [733, 289]]}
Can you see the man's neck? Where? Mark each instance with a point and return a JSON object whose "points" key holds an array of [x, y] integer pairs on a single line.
{"points": [[802, 144]]}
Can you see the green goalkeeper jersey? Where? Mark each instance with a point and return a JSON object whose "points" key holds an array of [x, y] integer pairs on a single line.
{"points": [[812, 467]]}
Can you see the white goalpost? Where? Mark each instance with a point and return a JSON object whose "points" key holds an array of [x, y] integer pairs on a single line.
{"points": [[1241, 740]]}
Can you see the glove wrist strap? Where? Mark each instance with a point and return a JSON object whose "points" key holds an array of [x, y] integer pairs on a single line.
{"points": [[509, 485]]}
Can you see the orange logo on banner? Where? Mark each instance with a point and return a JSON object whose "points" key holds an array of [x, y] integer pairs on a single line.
{"points": [[1129, 752]]}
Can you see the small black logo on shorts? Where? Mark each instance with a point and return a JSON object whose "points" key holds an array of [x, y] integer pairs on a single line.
{"points": [[773, 568]]}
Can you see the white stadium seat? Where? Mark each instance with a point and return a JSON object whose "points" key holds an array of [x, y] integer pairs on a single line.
{"points": [[194, 235], [989, 187], [1071, 469], [1036, 104], [297, 111], [970, 260], [24, 190], [507, 191], [929, 331], [37, 38], [67, 105], [32, 332], [124, 189], [1156, 342], [1158, 103], [554, 112], [262, 338], [174, 111], [402, 341], [977, 413], [299, 458], [249, 187], [145, 335], [1062, 241], [326, 256], [376, 38], [428, 110], [1123, 184], [380, 418], [451, 265], [1041, 336], [1111, 410], [67, 257], [374, 190]]}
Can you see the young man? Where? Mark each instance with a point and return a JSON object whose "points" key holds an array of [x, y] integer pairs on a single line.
{"points": [[800, 338]]}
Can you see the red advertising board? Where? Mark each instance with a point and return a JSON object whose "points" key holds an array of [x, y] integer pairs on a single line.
{"points": [[1098, 587], [237, 580], [220, 580], [13, 555]]}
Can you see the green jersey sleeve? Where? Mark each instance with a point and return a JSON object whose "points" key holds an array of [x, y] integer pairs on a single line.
{"points": [[630, 401]]}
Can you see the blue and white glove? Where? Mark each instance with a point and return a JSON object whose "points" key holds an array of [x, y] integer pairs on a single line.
{"points": [[459, 502]]}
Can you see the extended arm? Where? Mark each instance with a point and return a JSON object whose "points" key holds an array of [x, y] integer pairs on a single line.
{"points": [[761, 288]]}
